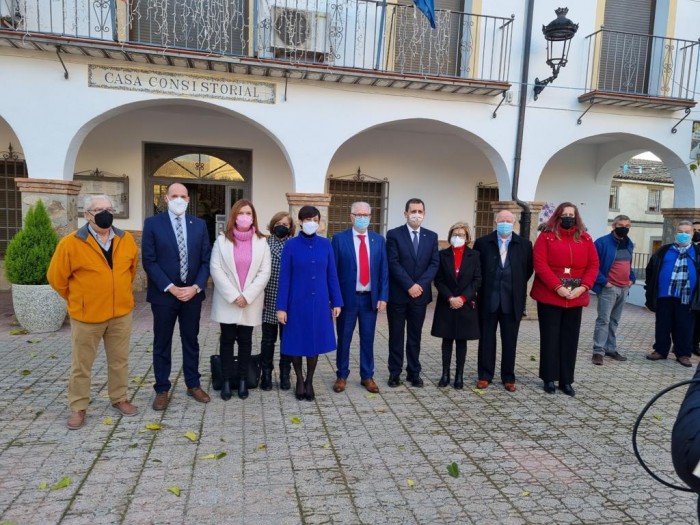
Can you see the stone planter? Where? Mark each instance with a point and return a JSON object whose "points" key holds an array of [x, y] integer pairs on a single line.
{"points": [[38, 307]]}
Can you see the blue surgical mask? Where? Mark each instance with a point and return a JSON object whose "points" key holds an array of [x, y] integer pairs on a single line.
{"points": [[504, 229], [683, 238], [361, 223]]}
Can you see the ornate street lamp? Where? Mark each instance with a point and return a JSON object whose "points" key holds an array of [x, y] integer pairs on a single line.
{"points": [[558, 34]]}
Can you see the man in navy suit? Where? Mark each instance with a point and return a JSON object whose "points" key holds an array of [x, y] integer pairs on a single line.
{"points": [[176, 252], [413, 263], [506, 266], [361, 263]]}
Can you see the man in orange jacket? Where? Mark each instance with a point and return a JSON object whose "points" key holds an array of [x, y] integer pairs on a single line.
{"points": [[93, 269]]}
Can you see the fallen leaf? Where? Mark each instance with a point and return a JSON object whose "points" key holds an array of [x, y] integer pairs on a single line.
{"points": [[295, 420], [149, 349], [157, 461], [657, 417], [192, 436], [43, 485], [524, 493], [133, 445], [478, 391], [371, 396], [453, 469], [65, 481], [175, 490], [402, 448], [53, 356], [261, 446], [153, 426], [410, 482], [380, 410], [33, 341], [32, 355], [326, 445], [18, 332], [214, 456], [137, 379], [107, 421], [25, 372], [533, 358]]}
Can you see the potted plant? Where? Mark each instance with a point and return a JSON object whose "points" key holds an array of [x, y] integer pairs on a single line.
{"points": [[37, 306]]}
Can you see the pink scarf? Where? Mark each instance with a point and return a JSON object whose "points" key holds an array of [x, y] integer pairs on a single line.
{"points": [[243, 253]]}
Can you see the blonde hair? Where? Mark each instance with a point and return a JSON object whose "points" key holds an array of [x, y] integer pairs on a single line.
{"points": [[461, 225]]}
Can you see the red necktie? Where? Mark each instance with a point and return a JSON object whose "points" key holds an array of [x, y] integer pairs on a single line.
{"points": [[364, 262]]}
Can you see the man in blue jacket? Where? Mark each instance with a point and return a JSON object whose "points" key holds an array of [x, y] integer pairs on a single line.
{"points": [[615, 276]]}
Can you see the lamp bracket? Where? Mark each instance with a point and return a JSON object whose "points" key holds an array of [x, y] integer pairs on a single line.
{"points": [[673, 129], [590, 105], [541, 84], [58, 54]]}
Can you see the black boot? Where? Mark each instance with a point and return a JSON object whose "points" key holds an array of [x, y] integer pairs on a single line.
{"points": [[285, 367], [242, 389], [459, 369], [446, 358], [226, 390], [309, 383], [266, 380], [300, 391]]}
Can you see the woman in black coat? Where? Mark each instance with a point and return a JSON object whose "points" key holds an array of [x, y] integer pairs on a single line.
{"points": [[456, 316]]}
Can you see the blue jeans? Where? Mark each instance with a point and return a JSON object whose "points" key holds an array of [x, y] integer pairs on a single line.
{"points": [[611, 301]]}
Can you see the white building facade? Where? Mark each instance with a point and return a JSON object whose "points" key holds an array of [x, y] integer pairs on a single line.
{"points": [[287, 103]]}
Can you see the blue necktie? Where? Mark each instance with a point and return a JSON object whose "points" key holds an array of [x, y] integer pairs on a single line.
{"points": [[415, 242]]}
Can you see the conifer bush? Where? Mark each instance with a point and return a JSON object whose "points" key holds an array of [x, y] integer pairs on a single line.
{"points": [[29, 253]]}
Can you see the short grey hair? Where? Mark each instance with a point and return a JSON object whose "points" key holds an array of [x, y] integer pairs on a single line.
{"points": [[359, 204], [621, 218], [89, 199], [685, 223]]}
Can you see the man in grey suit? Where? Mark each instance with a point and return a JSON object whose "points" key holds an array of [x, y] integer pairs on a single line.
{"points": [[413, 263]]}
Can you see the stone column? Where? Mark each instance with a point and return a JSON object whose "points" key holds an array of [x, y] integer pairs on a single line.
{"points": [[320, 200], [516, 210], [672, 216], [59, 197]]}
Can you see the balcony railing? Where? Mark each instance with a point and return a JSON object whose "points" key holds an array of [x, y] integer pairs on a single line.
{"points": [[636, 64], [344, 34]]}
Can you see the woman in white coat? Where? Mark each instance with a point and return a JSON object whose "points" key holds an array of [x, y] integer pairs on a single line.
{"points": [[240, 268]]}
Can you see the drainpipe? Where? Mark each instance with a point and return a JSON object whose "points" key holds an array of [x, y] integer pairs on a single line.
{"points": [[525, 216]]}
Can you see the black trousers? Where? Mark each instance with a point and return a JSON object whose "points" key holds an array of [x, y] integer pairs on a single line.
{"points": [[230, 334], [405, 318], [510, 324], [559, 331], [267, 346], [673, 321]]}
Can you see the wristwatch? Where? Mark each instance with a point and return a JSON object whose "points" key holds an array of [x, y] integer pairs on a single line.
{"points": [[197, 288]]}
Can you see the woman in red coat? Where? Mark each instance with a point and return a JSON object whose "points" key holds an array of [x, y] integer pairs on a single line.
{"points": [[566, 266]]}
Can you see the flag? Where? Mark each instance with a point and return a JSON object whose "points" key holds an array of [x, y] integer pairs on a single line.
{"points": [[427, 7]]}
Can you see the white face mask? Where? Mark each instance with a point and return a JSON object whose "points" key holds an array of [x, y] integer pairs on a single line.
{"points": [[457, 242], [309, 227], [415, 219], [177, 206]]}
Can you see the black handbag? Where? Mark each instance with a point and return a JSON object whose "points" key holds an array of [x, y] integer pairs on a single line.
{"points": [[252, 374]]}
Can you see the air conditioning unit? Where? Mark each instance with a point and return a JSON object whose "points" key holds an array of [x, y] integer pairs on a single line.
{"points": [[299, 33]]}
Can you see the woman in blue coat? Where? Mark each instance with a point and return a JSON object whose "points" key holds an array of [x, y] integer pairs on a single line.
{"points": [[308, 298]]}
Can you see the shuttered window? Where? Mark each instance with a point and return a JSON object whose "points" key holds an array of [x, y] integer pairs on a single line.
{"points": [[11, 166]]}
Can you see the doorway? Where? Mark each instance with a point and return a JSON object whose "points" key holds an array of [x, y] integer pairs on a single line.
{"points": [[215, 179]]}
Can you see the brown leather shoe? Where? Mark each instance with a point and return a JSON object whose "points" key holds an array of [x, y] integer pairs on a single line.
{"points": [[339, 385], [482, 384], [655, 356], [685, 361], [125, 408], [198, 394], [370, 385], [76, 420], [161, 401], [597, 359], [510, 387]]}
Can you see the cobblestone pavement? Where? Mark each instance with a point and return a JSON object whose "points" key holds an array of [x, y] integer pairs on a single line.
{"points": [[526, 457]]}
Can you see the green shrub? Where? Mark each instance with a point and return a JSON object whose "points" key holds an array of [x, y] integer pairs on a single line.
{"points": [[29, 253]]}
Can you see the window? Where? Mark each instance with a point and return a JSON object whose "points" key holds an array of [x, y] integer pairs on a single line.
{"points": [[11, 165], [353, 188], [483, 223], [654, 200], [613, 202]]}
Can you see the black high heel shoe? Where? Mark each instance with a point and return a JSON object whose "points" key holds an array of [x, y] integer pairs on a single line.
{"points": [[567, 389], [310, 394], [226, 390], [300, 391], [242, 389]]}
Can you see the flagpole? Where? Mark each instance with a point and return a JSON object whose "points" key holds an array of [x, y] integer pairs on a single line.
{"points": [[382, 23]]}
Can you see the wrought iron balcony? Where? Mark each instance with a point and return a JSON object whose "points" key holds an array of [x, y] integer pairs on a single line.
{"points": [[341, 35], [639, 70]]}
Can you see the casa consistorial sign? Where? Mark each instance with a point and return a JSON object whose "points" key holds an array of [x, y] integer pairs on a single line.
{"points": [[191, 85]]}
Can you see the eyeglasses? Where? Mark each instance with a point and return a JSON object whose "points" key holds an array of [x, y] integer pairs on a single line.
{"points": [[95, 211], [365, 215], [459, 235]]}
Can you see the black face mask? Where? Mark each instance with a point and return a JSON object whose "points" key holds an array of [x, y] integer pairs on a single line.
{"points": [[104, 219], [621, 231], [696, 237], [568, 222], [280, 231]]}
